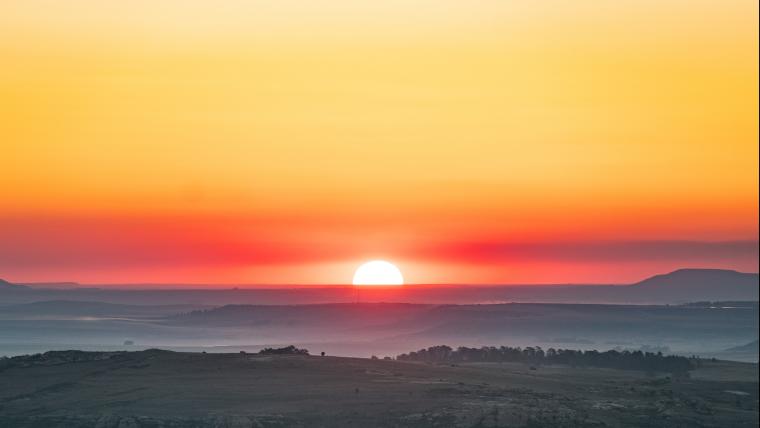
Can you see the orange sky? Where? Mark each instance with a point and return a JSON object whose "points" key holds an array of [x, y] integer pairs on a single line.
{"points": [[286, 142]]}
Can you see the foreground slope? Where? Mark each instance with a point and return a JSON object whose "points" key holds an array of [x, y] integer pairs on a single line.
{"points": [[160, 388]]}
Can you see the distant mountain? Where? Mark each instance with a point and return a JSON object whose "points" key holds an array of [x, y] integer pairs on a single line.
{"points": [[698, 284], [678, 287], [53, 285], [9, 285]]}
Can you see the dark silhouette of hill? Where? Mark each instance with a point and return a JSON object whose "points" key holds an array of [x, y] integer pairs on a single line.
{"points": [[9, 285], [699, 284], [67, 285]]}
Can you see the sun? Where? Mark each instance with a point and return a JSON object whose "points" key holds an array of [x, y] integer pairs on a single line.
{"points": [[378, 272]]}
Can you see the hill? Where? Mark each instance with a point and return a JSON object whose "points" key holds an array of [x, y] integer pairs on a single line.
{"points": [[65, 285], [159, 388], [751, 347], [698, 284], [681, 286], [9, 285]]}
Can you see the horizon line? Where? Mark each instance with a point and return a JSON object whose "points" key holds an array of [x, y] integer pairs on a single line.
{"points": [[199, 285]]}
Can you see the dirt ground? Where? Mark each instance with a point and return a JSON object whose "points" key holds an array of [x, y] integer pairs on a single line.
{"points": [[167, 389]]}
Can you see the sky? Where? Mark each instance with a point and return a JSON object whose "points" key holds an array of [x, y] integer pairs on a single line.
{"points": [[284, 142]]}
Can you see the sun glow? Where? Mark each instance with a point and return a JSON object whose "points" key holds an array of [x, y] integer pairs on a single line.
{"points": [[378, 272]]}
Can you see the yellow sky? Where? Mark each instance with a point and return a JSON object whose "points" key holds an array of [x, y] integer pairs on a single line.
{"points": [[556, 116]]}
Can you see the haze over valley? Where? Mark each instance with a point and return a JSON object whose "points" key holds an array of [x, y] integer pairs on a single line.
{"points": [[720, 317]]}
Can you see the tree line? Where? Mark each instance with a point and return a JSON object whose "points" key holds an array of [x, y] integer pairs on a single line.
{"points": [[628, 360], [288, 350]]}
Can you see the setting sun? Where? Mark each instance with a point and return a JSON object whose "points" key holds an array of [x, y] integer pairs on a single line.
{"points": [[378, 272], [354, 212]]}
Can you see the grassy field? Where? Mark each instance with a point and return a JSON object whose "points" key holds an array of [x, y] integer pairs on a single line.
{"points": [[168, 389]]}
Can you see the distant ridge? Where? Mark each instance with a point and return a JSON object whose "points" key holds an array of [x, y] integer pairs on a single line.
{"points": [[701, 275], [53, 285], [752, 347], [700, 284], [6, 284], [677, 287]]}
